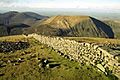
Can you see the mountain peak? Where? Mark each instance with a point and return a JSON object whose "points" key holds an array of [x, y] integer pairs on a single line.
{"points": [[76, 26], [71, 20]]}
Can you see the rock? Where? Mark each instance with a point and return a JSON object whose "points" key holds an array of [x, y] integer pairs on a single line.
{"points": [[96, 46], [46, 61], [101, 67], [117, 58], [9, 61], [48, 66], [19, 59], [40, 65]]}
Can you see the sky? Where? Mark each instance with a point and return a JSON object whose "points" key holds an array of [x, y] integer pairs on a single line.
{"points": [[77, 4]]}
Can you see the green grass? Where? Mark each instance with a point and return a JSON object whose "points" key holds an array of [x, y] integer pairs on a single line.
{"points": [[29, 69], [13, 38]]}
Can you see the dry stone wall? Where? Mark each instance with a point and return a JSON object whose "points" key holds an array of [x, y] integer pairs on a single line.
{"points": [[84, 53]]}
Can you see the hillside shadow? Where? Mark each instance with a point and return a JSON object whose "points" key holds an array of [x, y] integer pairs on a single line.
{"points": [[106, 28], [20, 25], [13, 26]]}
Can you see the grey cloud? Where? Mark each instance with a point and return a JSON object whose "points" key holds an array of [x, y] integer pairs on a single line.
{"points": [[8, 1]]}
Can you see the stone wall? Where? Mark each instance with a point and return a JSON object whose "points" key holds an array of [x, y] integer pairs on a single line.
{"points": [[84, 53]]}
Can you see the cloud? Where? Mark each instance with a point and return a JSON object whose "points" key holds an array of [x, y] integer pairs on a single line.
{"points": [[54, 4], [8, 1], [75, 5]]}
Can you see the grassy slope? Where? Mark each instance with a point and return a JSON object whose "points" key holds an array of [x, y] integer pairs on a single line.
{"points": [[29, 69], [94, 40], [65, 21]]}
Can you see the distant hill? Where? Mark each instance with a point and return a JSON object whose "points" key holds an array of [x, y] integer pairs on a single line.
{"points": [[75, 26], [115, 25], [13, 17], [6, 17], [15, 22]]}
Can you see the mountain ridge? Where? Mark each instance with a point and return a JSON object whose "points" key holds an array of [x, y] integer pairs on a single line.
{"points": [[77, 26], [14, 17], [61, 25], [15, 22]]}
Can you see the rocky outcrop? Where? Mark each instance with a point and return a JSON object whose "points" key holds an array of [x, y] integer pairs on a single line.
{"points": [[84, 53], [12, 46]]}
